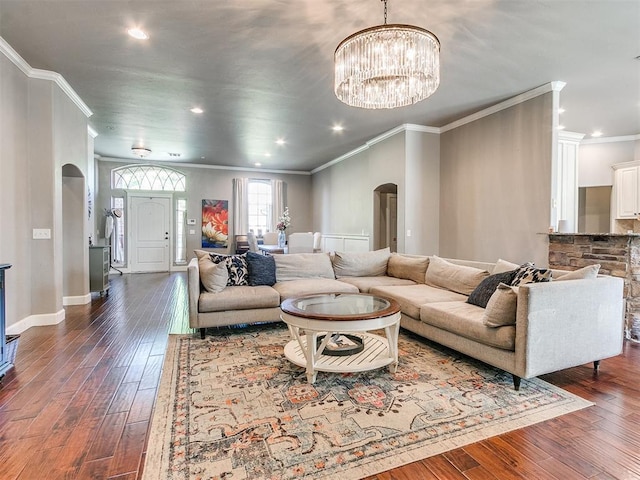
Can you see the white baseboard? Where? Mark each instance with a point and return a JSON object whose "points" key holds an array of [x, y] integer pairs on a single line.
{"points": [[77, 300], [35, 321]]}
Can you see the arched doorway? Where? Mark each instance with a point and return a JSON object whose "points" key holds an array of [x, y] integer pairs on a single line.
{"points": [[75, 280], [385, 217]]}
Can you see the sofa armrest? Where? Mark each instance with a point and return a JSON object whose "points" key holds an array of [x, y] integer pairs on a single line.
{"points": [[569, 323], [193, 289]]}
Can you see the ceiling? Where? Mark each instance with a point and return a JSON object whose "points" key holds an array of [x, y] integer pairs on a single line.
{"points": [[262, 69]]}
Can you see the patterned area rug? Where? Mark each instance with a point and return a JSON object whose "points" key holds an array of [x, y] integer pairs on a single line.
{"points": [[232, 407]]}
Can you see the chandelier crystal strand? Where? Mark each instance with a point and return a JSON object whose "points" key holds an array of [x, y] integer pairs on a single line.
{"points": [[387, 66]]}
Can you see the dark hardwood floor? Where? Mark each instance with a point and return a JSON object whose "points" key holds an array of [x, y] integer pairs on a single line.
{"points": [[78, 403]]}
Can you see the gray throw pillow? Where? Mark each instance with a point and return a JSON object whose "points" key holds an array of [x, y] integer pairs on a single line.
{"points": [[262, 269], [482, 293]]}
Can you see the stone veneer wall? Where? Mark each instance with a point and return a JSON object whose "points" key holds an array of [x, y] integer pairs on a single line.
{"points": [[617, 254]]}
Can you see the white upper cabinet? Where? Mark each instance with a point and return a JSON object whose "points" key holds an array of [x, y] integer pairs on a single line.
{"points": [[627, 195]]}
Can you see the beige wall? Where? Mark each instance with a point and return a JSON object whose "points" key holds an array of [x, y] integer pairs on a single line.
{"points": [[343, 198], [343, 195], [595, 161], [496, 185], [208, 183], [15, 201], [41, 130]]}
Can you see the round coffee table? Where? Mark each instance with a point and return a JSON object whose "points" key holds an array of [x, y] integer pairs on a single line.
{"points": [[325, 327]]}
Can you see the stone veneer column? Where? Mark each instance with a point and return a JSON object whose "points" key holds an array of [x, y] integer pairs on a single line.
{"points": [[618, 256]]}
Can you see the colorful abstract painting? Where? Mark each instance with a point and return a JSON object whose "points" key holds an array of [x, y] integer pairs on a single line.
{"points": [[215, 223]]}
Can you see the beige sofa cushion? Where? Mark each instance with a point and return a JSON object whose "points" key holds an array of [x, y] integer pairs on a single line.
{"points": [[466, 320], [504, 266], [501, 307], [411, 268], [457, 278], [312, 286], [411, 297], [239, 298], [361, 264], [590, 271], [214, 276], [303, 265], [365, 284]]}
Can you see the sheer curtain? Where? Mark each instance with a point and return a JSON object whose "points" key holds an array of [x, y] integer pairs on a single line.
{"points": [[278, 202], [240, 209]]}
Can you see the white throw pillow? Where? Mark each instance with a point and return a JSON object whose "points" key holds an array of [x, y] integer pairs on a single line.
{"points": [[457, 278], [214, 276], [504, 266], [502, 306], [590, 271], [361, 264]]}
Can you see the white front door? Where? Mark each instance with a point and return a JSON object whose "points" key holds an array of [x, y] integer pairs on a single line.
{"points": [[149, 225]]}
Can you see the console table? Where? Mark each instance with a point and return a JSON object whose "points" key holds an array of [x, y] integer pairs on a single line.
{"points": [[4, 359]]}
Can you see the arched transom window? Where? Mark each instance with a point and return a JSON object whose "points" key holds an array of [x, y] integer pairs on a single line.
{"points": [[147, 177]]}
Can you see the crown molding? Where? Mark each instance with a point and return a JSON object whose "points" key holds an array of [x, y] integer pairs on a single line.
{"points": [[15, 58], [406, 127], [91, 131], [199, 165], [626, 138], [570, 136], [523, 97]]}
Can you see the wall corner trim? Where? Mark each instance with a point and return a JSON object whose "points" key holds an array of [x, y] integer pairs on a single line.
{"points": [[36, 73], [35, 321], [523, 97], [92, 131]]}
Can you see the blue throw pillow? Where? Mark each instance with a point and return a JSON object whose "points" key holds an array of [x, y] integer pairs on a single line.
{"points": [[262, 269], [482, 293]]}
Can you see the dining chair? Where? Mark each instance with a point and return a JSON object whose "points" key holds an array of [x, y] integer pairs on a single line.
{"points": [[317, 242], [300, 242], [270, 238], [253, 242]]}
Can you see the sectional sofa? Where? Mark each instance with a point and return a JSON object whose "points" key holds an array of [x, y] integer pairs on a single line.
{"points": [[539, 323]]}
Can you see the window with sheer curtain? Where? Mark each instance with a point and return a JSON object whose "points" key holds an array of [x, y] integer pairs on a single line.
{"points": [[259, 205]]}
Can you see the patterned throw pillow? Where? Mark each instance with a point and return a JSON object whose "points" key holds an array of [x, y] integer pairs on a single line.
{"points": [[527, 273], [482, 293], [236, 266], [262, 269]]}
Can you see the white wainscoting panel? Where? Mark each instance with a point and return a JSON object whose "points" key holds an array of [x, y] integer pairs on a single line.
{"points": [[333, 242]]}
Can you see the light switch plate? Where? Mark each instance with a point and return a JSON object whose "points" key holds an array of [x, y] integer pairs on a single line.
{"points": [[42, 233], [191, 221], [192, 232]]}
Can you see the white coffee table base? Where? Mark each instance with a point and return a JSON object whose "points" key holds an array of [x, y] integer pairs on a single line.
{"points": [[378, 351]]}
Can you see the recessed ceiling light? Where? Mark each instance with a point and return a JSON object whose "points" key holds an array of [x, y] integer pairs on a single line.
{"points": [[281, 141], [337, 128], [561, 110], [267, 154], [197, 110], [258, 164], [560, 127], [138, 34], [596, 133]]}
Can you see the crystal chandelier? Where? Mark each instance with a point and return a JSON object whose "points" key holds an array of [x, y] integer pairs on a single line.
{"points": [[387, 66]]}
